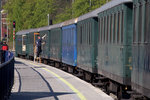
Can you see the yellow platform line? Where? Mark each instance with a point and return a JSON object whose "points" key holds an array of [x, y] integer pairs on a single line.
{"points": [[80, 95]]}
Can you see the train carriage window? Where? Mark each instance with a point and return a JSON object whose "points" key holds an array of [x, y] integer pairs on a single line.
{"points": [[122, 26], [67, 39], [119, 24], [83, 33], [107, 28], [115, 27], [70, 42], [104, 32], [73, 34], [147, 19], [101, 30], [98, 30], [88, 32], [140, 23], [80, 34], [84, 36], [66, 36], [65, 33], [111, 31], [70, 34], [135, 24], [106, 24]]}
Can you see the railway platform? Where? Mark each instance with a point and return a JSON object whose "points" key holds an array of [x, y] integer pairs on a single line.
{"points": [[36, 81]]}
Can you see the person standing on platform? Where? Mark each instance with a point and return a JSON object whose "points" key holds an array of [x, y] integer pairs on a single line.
{"points": [[4, 46]]}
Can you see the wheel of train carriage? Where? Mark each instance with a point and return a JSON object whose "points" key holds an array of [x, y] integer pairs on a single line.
{"points": [[119, 92], [107, 89]]}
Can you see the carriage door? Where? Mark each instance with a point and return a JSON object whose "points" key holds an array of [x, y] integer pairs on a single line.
{"points": [[35, 37]]}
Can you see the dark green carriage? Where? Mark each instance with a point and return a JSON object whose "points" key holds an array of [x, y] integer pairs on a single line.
{"points": [[30, 44], [18, 45], [115, 39], [141, 47], [55, 43], [87, 42]]}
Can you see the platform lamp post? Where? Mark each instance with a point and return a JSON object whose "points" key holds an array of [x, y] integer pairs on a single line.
{"points": [[1, 24], [14, 25], [48, 19], [7, 24]]}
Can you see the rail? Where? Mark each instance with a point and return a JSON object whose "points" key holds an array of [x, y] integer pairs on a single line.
{"points": [[6, 74]]}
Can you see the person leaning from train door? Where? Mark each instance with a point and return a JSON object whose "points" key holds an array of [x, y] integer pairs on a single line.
{"points": [[39, 45]]}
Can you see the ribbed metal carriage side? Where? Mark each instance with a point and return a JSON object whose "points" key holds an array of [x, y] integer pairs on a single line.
{"points": [[141, 44], [55, 42], [69, 45], [18, 46], [87, 42], [114, 43], [31, 44]]}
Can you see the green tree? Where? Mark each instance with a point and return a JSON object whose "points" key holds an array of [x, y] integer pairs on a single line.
{"points": [[30, 13], [81, 7], [33, 13]]}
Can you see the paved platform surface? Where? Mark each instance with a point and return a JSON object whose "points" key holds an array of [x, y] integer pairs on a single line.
{"points": [[35, 81]]}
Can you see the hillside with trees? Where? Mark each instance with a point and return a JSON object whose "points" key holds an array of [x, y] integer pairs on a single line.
{"points": [[33, 13]]}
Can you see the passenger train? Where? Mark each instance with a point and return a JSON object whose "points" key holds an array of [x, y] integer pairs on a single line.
{"points": [[108, 47]]}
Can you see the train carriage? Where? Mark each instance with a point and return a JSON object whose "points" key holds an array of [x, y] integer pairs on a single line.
{"points": [[55, 38], [69, 44], [141, 44], [18, 45], [114, 44], [87, 32], [31, 44]]}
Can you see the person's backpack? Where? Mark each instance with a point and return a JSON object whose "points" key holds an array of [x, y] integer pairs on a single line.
{"points": [[4, 47]]}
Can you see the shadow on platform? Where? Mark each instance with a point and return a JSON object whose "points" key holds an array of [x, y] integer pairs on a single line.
{"points": [[36, 95]]}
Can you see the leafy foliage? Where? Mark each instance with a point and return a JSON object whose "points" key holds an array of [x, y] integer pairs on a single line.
{"points": [[33, 13]]}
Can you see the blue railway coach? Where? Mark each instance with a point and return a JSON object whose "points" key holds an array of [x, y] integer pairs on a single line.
{"points": [[69, 46]]}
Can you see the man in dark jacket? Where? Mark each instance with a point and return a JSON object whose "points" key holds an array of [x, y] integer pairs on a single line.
{"points": [[38, 44]]}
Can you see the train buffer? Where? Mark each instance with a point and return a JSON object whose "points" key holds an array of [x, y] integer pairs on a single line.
{"points": [[34, 81]]}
